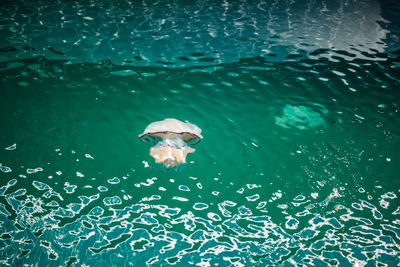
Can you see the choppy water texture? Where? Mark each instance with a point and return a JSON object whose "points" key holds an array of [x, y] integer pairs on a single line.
{"points": [[299, 107]]}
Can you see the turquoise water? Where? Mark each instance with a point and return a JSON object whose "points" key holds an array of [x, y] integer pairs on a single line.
{"points": [[299, 107]]}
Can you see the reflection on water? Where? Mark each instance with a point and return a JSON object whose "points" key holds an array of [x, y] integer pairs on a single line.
{"points": [[194, 33], [300, 117], [255, 228], [299, 163]]}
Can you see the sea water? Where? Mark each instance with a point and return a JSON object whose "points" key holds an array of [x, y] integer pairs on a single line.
{"points": [[299, 106]]}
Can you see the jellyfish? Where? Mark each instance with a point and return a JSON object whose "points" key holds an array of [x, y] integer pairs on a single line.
{"points": [[171, 140]]}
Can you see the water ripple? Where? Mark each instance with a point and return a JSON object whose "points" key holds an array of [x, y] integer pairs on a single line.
{"points": [[222, 33], [291, 171]]}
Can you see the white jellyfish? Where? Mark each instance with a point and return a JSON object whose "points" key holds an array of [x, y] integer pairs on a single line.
{"points": [[171, 140]]}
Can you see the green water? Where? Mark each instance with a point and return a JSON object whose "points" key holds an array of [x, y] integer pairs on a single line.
{"points": [[298, 102], [299, 164]]}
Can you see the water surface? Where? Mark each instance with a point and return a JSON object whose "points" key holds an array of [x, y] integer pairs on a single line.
{"points": [[299, 107]]}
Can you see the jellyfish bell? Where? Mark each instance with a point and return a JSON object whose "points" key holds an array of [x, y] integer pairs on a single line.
{"points": [[171, 140]]}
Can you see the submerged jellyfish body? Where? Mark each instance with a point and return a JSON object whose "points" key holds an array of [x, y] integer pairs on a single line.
{"points": [[171, 140]]}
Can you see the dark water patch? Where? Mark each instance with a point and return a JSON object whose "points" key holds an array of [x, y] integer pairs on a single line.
{"points": [[183, 58], [8, 49], [55, 51], [165, 62], [207, 59], [29, 48], [197, 54], [293, 56]]}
